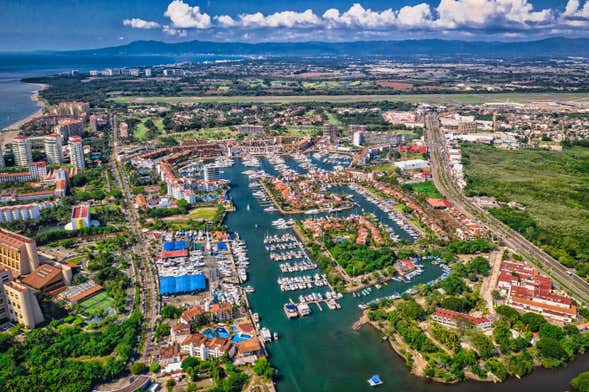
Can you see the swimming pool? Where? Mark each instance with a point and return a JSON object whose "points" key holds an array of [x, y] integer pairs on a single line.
{"points": [[240, 337], [221, 332]]}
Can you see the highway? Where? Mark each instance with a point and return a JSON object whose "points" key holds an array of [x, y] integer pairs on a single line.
{"points": [[565, 278], [144, 272]]}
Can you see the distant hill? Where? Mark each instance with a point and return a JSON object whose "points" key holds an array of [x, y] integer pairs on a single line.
{"points": [[550, 47]]}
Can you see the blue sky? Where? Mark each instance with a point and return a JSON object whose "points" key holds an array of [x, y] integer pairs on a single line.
{"points": [[71, 24]]}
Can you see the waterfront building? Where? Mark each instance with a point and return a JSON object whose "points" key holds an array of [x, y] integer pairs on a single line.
{"points": [[211, 173], [2, 163], [450, 318], [81, 216], [17, 253], [77, 152], [23, 154], [71, 109], [53, 149], [147, 72]]}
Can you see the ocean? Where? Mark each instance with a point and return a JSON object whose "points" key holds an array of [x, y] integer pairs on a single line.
{"points": [[16, 97]]}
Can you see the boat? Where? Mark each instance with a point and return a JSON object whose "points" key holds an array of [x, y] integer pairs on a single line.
{"points": [[275, 336], [375, 381], [291, 310]]}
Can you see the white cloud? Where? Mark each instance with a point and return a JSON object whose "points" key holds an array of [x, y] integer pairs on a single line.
{"points": [[459, 18], [138, 23], [480, 13], [419, 15], [574, 10], [287, 19], [184, 16], [358, 16]]}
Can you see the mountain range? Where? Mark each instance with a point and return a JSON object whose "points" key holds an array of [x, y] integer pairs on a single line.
{"points": [[550, 47]]}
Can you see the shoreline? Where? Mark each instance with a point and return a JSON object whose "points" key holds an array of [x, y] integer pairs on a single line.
{"points": [[35, 97]]}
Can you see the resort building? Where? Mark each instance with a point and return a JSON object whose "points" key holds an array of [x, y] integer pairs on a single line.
{"points": [[17, 253], [77, 152], [53, 149], [23, 154], [197, 345], [450, 318], [527, 290]]}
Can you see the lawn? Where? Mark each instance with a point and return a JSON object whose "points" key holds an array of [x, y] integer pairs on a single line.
{"points": [[427, 189], [204, 213], [97, 302], [553, 186]]}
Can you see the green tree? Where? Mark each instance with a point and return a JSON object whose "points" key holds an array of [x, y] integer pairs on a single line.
{"points": [[138, 368], [580, 383]]}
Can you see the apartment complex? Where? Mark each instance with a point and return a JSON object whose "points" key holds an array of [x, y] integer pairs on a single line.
{"points": [[18, 302], [77, 152], [23, 154], [53, 149]]}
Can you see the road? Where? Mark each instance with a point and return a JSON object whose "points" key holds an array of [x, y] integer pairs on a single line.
{"points": [[577, 287], [144, 272]]}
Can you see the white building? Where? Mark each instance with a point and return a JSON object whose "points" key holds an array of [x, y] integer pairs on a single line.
{"points": [[22, 151], [53, 149], [77, 152]]}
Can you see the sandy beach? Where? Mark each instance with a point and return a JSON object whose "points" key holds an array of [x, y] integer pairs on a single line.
{"points": [[9, 132]]}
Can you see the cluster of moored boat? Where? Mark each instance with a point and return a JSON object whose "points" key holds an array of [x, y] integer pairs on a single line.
{"points": [[300, 266], [302, 282], [282, 223], [393, 214], [239, 250]]}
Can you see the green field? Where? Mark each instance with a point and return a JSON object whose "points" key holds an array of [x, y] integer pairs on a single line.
{"points": [[427, 189], [412, 98], [552, 186], [97, 302]]}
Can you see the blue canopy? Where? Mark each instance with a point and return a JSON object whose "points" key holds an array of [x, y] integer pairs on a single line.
{"points": [[170, 285], [221, 246], [174, 245]]}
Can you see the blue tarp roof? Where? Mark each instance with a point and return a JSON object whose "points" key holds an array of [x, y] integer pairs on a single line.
{"points": [[175, 245], [182, 284], [221, 246]]}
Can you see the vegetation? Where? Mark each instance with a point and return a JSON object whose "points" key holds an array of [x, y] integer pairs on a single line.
{"points": [[552, 188], [65, 357]]}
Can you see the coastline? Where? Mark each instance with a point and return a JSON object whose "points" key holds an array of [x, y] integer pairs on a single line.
{"points": [[8, 133]]}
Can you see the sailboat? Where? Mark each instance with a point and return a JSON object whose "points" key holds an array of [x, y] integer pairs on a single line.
{"points": [[247, 207]]}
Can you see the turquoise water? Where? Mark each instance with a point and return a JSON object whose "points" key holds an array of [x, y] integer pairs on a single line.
{"points": [[322, 352]]}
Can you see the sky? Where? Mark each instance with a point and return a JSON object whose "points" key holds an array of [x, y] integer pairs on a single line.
{"points": [[28, 25]]}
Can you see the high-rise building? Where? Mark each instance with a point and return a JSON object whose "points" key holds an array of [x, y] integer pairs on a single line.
{"points": [[19, 303], [17, 253], [211, 173], [22, 151], [330, 132], [53, 149], [77, 152], [2, 163]]}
